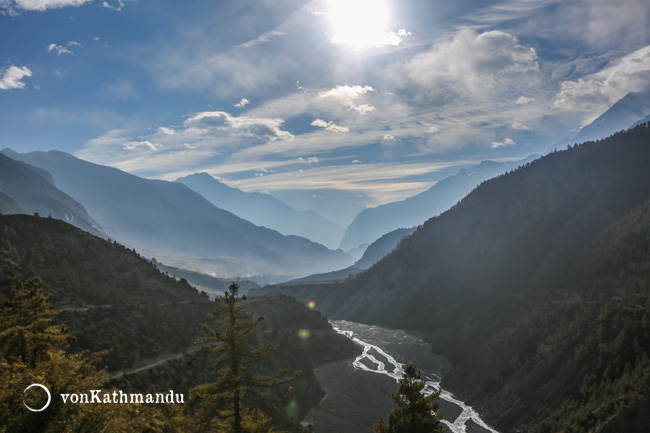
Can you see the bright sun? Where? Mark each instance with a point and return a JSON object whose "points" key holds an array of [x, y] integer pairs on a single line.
{"points": [[360, 23]]}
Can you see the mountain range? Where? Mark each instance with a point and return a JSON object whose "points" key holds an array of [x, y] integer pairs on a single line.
{"points": [[266, 210], [28, 189], [370, 224], [531, 286], [168, 217], [373, 253]]}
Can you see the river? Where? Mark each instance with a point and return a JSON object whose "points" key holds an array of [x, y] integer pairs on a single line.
{"points": [[358, 391]]}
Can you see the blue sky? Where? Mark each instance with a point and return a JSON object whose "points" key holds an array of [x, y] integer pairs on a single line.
{"points": [[328, 103]]}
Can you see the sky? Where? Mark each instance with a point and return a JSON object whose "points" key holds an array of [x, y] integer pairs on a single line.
{"points": [[333, 105]]}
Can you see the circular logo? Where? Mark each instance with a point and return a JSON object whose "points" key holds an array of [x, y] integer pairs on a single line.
{"points": [[49, 397]]}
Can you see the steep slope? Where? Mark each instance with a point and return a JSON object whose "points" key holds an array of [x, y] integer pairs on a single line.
{"points": [[382, 246], [628, 112], [375, 252], [266, 210], [169, 217], [511, 281], [32, 190], [8, 205], [623, 114], [118, 301], [372, 223]]}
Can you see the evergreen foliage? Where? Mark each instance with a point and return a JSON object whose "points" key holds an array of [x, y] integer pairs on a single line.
{"points": [[231, 346], [417, 413]]}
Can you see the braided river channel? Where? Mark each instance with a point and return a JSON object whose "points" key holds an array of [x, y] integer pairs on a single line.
{"points": [[358, 392]]}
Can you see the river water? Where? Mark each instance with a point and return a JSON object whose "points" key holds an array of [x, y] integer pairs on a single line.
{"points": [[358, 392]]}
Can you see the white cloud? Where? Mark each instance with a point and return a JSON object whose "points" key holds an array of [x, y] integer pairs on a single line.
{"points": [[166, 131], [329, 126], [220, 121], [74, 44], [517, 124], [11, 77], [310, 160], [242, 103], [59, 49], [388, 137], [203, 138], [132, 145], [595, 93], [471, 64], [116, 7], [39, 5], [505, 142], [524, 100], [347, 95]]}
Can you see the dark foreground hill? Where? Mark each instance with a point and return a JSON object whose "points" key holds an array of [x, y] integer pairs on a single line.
{"points": [[168, 217], [536, 286], [117, 301]]}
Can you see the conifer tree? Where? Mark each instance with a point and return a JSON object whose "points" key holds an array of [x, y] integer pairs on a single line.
{"points": [[26, 330], [32, 351], [417, 413], [233, 351]]}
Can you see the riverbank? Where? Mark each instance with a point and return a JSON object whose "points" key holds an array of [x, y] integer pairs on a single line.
{"points": [[358, 391]]}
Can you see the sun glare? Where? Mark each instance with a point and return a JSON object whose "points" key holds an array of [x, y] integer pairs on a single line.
{"points": [[360, 23]]}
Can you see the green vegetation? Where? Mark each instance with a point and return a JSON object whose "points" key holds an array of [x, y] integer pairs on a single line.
{"points": [[534, 286], [143, 322], [220, 403], [114, 299], [417, 413], [32, 350]]}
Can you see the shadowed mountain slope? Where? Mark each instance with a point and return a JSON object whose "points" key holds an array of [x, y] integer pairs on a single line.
{"points": [[512, 281], [372, 223]]}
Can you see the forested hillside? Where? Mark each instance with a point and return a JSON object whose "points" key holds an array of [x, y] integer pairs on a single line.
{"points": [[535, 286], [115, 300]]}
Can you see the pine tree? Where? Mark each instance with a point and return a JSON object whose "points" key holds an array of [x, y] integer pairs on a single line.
{"points": [[26, 330], [221, 402], [417, 413], [32, 351]]}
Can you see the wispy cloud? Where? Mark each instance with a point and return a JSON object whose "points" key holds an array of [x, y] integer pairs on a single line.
{"points": [[11, 77], [593, 94], [383, 182], [329, 126], [14, 6], [58, 49], [505, 142], [242, 103], [470, 64]]}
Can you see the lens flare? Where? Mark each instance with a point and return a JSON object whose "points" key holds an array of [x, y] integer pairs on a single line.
{"points": [[311, 304], [292, 410], [304, 334]]}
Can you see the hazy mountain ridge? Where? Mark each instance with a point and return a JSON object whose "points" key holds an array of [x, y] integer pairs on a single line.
{"points": [[33, 191], [266, 210], [169, 217], [375, 252], [481, 278], [370, 224]]}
